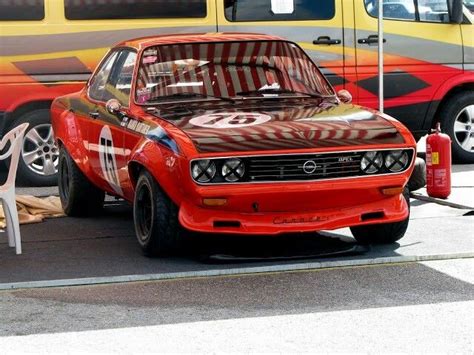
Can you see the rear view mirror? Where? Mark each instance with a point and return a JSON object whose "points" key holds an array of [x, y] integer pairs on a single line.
{"points": [[344, 96], [456, 11]]}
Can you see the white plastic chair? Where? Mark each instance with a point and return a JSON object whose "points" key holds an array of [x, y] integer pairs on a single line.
{"points": [[7, 190]]}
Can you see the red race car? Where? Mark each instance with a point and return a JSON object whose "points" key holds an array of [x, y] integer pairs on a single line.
{"points": [[229, 133]]}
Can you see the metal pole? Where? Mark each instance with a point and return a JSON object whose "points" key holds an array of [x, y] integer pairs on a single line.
{"points": [[380, 54]]}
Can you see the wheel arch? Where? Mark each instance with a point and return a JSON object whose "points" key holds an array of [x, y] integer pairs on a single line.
{"points": [[447, 92], [134, 170], [149, 157], [22, 109]]}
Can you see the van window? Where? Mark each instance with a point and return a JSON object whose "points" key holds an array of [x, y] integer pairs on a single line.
{"points": [[411, 10], [470, 5], [133, 9], [278, 10], [11, 10]]}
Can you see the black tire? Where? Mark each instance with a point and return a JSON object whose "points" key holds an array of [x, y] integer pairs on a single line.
{"points": [[79, 197], [156, 218], [449, 113], [384, 233], [418, 176]]}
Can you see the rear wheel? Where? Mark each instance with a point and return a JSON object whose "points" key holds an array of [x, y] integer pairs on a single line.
{"points": [[156, 218], [79, 197], [39, 158], [383, 233], [457, 120]]}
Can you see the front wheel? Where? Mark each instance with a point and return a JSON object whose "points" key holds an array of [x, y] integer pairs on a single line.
{"points": [[457, 120], [383, 233], [155, 217]]}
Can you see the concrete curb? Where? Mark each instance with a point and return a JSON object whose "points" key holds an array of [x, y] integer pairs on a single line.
{"points": [[232, 271]]}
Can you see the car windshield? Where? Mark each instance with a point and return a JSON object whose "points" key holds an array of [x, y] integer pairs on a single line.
{"points": [[227, 70]]}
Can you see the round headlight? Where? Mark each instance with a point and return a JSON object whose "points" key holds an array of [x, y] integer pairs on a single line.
{"points": [[371, 162], [396, 160], [233, 170], [203, 170]]}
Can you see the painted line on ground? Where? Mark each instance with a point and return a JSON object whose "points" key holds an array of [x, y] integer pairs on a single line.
{"points": [[438, 201], [233, 271]]}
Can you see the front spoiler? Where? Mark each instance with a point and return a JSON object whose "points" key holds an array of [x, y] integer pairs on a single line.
{"points": [[200, 219]]}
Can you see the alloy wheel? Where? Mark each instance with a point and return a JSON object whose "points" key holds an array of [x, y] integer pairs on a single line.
{"points": [[39, 152], [464, 128]]}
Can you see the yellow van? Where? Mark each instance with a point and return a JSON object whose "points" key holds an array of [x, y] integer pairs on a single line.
{"points": [[49, 48]]}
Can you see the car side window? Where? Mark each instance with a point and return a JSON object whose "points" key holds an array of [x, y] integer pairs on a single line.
{"points": [[97, 84], [119, 82], [411, 10]]}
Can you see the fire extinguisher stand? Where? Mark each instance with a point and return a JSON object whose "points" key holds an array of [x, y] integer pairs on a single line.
{"points": [[438, 164]]}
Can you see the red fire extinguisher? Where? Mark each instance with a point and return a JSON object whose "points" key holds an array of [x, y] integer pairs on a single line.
{"points": [[438, 164]]}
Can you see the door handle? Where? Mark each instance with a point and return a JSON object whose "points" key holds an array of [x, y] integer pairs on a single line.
{"points": [[94, 114], [326, 40], [372, 39]]}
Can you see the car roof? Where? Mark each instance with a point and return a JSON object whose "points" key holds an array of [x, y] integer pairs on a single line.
{"points": [[143, 42]]}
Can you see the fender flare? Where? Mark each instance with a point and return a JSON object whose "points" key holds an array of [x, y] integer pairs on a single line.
{"points": [[150, 156], [75, 142]]}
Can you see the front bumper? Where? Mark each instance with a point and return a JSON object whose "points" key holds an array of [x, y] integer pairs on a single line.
{"points": [[201, 219]]}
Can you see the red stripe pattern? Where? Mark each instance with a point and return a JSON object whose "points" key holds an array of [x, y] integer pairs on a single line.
{"points": [[226, 68]]}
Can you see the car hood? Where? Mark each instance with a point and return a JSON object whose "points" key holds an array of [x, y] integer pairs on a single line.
{"points": [[280, 125]]}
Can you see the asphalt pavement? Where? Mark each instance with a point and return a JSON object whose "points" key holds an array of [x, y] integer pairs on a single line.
{"points": [[410, 307]]}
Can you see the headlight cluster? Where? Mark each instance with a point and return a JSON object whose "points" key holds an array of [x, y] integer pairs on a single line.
{"points": [[390, 161], [218, 170]]}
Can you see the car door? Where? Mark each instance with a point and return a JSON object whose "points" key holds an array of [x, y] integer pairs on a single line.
{"points": [[317, 26], [422, 51], [106, 139]]}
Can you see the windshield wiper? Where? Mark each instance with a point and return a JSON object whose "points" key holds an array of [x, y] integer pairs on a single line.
{"points": [[180, 95], [280, 91]]}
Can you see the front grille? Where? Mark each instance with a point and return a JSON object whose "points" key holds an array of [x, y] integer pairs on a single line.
{"points": [[303, 167]]}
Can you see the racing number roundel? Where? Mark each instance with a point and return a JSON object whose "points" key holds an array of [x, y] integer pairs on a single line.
{"points": [[230, 120], [108, 163]]}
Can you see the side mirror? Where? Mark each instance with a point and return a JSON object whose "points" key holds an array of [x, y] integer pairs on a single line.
{"points": [[344, 96], [113, 106], [456, 11]]}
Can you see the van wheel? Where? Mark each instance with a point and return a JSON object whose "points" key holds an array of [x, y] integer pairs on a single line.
{"points": [[457, 120], [79, 197], [156, 218], [383, 233], [38, 164]]}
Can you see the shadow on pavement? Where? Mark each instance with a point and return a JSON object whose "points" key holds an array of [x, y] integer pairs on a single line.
{"points": [[135, 304], [71, 248]]}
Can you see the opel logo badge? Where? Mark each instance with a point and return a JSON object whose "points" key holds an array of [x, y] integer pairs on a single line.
{"points": [[309, 167]]}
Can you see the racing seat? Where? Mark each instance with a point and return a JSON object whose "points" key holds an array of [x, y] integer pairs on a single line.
{"points": [[7, 190]]}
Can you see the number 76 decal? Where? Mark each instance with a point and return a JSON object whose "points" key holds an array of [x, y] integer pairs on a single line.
{"points": [[230, 120], [108, 162]]}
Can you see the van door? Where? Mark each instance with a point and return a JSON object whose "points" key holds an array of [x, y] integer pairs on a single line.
{"points": [[422, 51], [315, 25]]}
